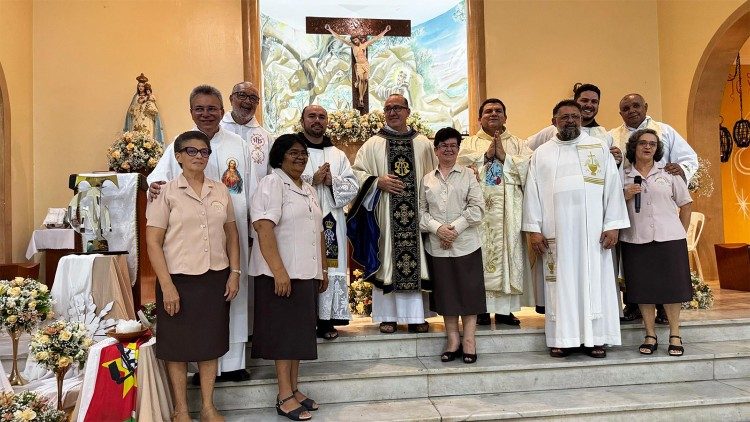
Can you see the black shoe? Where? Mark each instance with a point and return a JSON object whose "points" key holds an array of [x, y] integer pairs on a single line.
{"points": [[419, 328], [630, 313], [451, 356], [507, 319], [484, 319], [234, 376], [540, 309], [661, 315]]}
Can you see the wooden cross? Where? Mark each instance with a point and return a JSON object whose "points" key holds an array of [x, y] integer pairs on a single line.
{"points": [[358, 28]]}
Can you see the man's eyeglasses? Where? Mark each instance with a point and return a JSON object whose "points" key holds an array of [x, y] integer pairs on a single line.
{"points": [[201, 109], [396, 108], [193, 151], [242, 96], [296, 153]]}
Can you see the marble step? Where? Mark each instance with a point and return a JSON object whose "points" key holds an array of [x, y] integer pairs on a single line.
{"points": [[686, 401], [427, 377], [366, 342]]}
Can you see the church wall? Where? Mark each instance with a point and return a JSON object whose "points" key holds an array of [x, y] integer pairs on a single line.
{"points": [[685, 30], [86, 57], [536, 50], [15, 59]]}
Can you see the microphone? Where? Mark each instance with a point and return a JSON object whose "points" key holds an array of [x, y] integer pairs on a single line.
{"points": [[638, 180]]}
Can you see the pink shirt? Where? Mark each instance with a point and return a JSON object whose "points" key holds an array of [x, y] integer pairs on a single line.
{"points": [[661, 195], [195, 240], [298, 224]]}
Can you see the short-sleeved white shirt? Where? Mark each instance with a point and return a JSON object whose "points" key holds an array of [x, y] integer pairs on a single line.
{"points": [[298, 223], [659, 219]]}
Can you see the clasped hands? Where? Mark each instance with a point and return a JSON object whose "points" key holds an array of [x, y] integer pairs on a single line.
{"points": [[447, 234], [496, 148], [323, 175]]}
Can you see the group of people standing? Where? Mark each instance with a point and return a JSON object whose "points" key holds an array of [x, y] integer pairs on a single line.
{"points": [[248, 235]]}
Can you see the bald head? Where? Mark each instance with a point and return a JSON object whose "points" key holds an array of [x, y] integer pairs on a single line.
{"points": [[633, 109], [244, 98]]}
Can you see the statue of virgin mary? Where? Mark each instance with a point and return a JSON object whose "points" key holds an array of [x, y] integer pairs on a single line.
{"points": [[143, 115]]}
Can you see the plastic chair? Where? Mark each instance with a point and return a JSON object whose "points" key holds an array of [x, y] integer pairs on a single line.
{"points": [[697, 221]]}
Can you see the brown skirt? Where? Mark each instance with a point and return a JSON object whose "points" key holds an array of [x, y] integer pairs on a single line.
{"points": [[458, 284], [656, 272], [284, 327], [200, 331]]}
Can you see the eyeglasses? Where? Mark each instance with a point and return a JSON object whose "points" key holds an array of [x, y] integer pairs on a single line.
{"points": [[396, 108], [650, 144], [193, 151], [296, 153], [201, 109], [448, 146], [573, 117], [242, 96]]}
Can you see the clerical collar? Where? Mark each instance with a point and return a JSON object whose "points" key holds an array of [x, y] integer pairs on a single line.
{"points": [[389, 132], [592, 124], [326, 141]]}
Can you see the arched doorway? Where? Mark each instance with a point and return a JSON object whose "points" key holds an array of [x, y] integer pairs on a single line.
{"points": [[704, 106], [5, 202]]}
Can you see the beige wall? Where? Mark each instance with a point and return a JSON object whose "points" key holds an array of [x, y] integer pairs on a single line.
{"points": [[86, 57], [537, 50], [15, 59]]}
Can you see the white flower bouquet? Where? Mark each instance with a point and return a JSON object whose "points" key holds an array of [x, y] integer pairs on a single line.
{"points": [[134, 151], [28, 406], [61, 344], [703, 297], [24, 302], [360, 295], [702, 184]]}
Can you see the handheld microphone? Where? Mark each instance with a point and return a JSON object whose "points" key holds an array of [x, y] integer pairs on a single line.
{"points": [[638, 180]]}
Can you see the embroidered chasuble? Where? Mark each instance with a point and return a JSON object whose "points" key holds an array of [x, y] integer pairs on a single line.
{"points": [[409, 156], [573, 194], [504, 253], [333, 304], [227, 164]]}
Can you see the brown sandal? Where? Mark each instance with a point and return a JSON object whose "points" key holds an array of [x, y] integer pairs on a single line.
{"points": [[558, 352], [596, 352], [388, 327]]}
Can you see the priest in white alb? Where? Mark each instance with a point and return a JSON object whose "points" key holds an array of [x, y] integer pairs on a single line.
{"points": [[390, 166], [228, 163], [329, 172], [501, 160], [573, 209]]}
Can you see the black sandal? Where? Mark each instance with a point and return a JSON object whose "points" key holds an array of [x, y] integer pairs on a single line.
{"points": [[327, 333], [419, 328], [596, 352], [292, 414], [650, 347], [678, 350], [448, 356], [558, 352], [308, 403], [388, 327]]}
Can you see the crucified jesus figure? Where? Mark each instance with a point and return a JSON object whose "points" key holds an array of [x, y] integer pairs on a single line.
{"points": [[359, 51]]}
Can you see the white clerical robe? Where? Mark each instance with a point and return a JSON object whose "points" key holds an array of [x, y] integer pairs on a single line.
{"points": [[507, 271], [573, 194], [676, 148], [334, 302], [401, 306], [259, 143], [226, 148]]}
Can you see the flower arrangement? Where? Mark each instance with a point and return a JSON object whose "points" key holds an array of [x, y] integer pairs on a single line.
{"points": [[28, 406], [702, 184], [149, 310], [703, 297], [134, 151], [360, 295], [349, 127], [60, 344], [24, 302]]}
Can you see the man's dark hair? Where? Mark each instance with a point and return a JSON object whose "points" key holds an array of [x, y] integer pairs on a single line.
{"points": [[446, 133], [633, 144], [183, 138], [281, 145], [492, 101], [578, 89], [205, 90], [565, 103]]}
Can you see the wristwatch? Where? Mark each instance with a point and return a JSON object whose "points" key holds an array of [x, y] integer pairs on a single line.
{"points": [[237, 271]]}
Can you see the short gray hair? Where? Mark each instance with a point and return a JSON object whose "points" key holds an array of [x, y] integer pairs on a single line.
{"points": [[205, 90]]}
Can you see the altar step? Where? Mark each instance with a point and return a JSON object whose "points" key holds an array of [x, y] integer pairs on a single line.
{"points": [[366, 342], [727, 400], [425, 377]]}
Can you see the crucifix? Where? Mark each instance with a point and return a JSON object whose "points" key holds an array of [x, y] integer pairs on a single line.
{"points": [[358, 31]]}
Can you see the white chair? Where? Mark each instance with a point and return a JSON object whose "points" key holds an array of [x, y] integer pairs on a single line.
{"points": [[697, 221]]}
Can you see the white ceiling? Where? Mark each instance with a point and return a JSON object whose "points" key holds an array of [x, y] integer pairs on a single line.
{"points": [[293, 12]]}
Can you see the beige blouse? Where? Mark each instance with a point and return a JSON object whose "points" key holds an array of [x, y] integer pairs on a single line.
{"points": [[195, 241], [298, 224]]}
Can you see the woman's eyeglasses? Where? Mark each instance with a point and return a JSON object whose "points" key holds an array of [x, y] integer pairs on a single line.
{"points": [[192, 151]]}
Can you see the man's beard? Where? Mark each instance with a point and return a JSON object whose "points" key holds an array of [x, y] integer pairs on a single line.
{"points": [[315, 132], [568, 133]]}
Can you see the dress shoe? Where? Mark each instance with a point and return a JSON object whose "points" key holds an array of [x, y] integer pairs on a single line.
{"points": [[509, 319], [540, 309], [484, 319]]}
